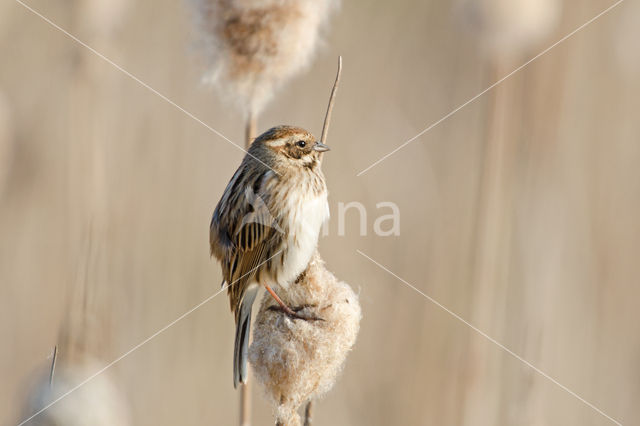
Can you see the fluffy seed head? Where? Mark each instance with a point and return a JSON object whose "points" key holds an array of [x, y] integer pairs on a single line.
{"points": [[288, 147], [299, 360], [99, 404], [253, 46], [507, 26]]}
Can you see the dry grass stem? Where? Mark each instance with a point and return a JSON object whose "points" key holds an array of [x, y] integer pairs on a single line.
{"points": [[54, 358], [250, 129], [308, 414], [6, 140], [332, 98]]}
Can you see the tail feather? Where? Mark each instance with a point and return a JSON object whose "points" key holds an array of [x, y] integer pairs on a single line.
{"points": [[243, 328]]}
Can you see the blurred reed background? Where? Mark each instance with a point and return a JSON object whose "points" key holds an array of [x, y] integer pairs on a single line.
{"points": [[520, 212]]}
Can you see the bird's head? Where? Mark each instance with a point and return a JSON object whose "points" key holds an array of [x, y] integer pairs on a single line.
{"points": [[289, 146]]}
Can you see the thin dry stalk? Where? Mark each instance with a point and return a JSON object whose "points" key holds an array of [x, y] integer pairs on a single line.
{"points": [[308, 411], [250, 128], [52, 371], [245, 404], [7, 140], [332, 98], [495, 221]]}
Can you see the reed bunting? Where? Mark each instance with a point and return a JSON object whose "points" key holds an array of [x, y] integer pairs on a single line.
{"points": [[265, 227]]}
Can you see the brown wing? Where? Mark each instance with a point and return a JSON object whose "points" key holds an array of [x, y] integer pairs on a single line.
{"points": [[243, 233]]}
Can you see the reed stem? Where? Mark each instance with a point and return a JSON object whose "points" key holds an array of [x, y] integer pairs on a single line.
{"points": [[308, 411], [250, 128], [52, 371], [332, 98]]}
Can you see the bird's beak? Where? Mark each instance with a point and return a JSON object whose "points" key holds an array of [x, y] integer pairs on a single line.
{"points": [[320, 147]]}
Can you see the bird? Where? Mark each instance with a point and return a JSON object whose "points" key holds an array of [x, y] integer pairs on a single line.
{"points": [[265, 227]]}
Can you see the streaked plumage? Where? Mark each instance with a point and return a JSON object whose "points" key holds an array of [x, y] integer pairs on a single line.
{"points": [[265, 228]]}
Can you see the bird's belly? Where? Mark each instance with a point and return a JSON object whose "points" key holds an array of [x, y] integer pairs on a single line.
{"points": [[302, 241]]}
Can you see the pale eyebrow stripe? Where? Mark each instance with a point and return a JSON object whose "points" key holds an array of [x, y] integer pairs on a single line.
{"points": [[277, 142]]}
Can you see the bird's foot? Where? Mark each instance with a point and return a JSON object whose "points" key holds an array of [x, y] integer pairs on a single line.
{"points": [[296, 312], [307, 317]]}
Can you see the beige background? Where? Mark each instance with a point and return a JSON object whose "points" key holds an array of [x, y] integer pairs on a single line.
{"points": [[520, 212]]}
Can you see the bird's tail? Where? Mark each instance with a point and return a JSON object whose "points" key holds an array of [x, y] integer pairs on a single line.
{"points": [[243, 327]]}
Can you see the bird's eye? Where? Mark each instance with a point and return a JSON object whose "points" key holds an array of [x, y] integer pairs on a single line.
{"points": [[301, 144]]}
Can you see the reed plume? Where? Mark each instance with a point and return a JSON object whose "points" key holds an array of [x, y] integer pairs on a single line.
{"points": [[100, 404], [508, 26], [297, 360], [253, 47]]}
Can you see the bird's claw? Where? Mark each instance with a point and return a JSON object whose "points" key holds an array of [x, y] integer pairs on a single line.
{"points": [[294, 313]]}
